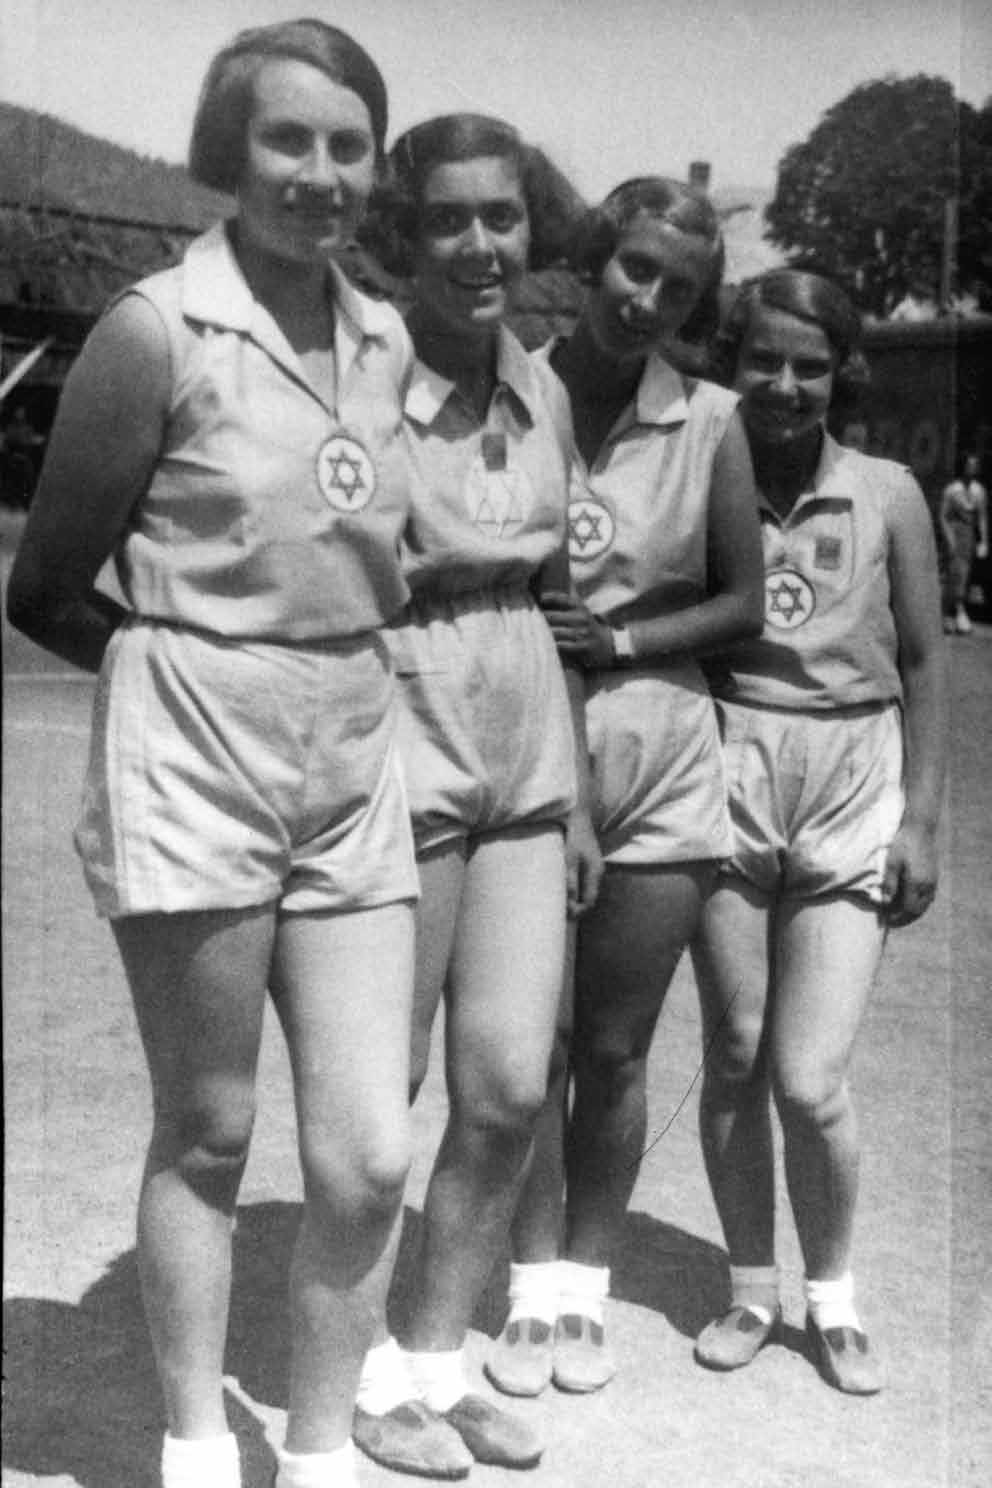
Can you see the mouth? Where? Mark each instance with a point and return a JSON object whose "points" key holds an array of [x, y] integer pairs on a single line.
{"points": [[478, 283]]}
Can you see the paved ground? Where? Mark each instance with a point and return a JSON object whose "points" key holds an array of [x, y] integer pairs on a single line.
{"points": [[81, 1402]]}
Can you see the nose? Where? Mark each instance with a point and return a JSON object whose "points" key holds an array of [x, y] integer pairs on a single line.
{"points": [[475, 238], [786, 380], [647, 299], [319, 169]]}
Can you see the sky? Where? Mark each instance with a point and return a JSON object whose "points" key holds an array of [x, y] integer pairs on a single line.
{"points": [[610, 88]]}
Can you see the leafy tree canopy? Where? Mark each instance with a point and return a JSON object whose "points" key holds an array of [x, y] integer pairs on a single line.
{"points": [[864, 198]]}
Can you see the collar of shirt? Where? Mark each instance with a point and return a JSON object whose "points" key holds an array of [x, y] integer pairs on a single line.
{"points": [[215, 292], [429, 391], [830, 483], [661, 394]]}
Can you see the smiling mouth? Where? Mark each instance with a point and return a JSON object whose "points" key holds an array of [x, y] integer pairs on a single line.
{"points": [[476, 282]]}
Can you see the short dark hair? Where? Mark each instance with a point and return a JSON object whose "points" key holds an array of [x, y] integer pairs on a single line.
{"points": [[220, 128], [668, 200], [392, 224], [808, 297]]}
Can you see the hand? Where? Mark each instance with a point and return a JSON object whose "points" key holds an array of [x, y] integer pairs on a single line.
{"points": [[583, 862], [910, 873], [579, 634], [982, 550]]}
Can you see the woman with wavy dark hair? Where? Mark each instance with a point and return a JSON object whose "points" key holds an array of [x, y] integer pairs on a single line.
{"points": [[486, 733], [832, 723], [666, 565], [229, 435]]}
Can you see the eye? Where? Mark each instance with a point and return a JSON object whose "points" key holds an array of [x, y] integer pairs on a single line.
{"points": [[349, 146], [762, 361], [286, 138], [445, 219], [812, 371], [639, 270], [502, 216]]}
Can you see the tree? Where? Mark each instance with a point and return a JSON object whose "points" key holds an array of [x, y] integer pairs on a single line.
{"points": [[865, 197]]}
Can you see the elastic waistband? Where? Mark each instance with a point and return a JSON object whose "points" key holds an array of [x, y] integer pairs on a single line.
{"points": [[320, 645], [866, 709], [427, 603]]}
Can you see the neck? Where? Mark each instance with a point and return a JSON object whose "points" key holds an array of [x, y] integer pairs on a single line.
{"points": [[469, 361], [591, 374], [294, 293], [784, 472]]}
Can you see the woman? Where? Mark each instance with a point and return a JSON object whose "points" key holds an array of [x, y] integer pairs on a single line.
{"points": [[832, 724], [487, 743], [229, 436], [666, 565], [964, 523]]}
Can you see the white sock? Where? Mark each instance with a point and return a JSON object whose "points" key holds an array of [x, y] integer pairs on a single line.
{"points": [[440, 1377], [831, 1302], [318, 1469], [386, 1379], [533, 1291], [756, 1288], [208, 1462], [583, 1289]]}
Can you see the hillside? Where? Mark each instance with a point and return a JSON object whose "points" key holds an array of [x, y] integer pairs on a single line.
{"points": [[44, 161]]}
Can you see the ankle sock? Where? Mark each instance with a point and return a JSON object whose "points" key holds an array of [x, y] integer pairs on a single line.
{"points": [[756, 1288], [583, 1289], [335, 1469], [831, 1303], [439, 1376], [533, 1291], [208, 1462], [386, 1379]]}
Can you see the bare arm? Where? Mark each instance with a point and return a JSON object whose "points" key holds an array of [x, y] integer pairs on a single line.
{"points": [[911, 869], [585, 862], [101, 454], [734, 608], [982, 513]]}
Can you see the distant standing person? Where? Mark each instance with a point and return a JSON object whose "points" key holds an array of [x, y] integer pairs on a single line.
{"points": [[964, 523], [229, 435], [833, 735]]}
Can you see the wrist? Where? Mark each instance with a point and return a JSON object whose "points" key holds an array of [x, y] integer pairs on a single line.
{"points": [[623, 645]]}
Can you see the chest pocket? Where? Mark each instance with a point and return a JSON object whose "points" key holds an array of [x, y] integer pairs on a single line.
{"points": [[823, 548]]}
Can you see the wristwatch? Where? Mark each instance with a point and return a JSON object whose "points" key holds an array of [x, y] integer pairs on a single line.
{"points": [[623, 645]]}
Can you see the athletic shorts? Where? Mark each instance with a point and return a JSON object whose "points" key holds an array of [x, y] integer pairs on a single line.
{"points": [[654, 747], [227, 773], [485, 729], [815, 799]]}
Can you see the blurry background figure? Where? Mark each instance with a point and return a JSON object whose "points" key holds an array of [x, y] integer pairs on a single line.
{"points": [[964, 523]]}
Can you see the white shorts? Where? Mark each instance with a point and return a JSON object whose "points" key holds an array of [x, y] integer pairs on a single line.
{"points": [[815, 798], [227, 773], [485, 728], [658, 785]]}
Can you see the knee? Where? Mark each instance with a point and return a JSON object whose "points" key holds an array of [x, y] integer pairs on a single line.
{"points": [[611, 1074], [733, 1060], [208, 1148], [809, 1093], [503, 1109], [360, 1187]]}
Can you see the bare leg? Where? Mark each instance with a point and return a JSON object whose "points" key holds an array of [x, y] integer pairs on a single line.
{"points": [[343, 986], [629, 946], [539, 1218], [198, 982], [504, 981], [731, 960], [827, 955]]}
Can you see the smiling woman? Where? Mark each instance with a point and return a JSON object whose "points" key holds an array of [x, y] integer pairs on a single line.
{"points": [[229, 437]]}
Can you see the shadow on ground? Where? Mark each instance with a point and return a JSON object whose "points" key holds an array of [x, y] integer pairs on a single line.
{"points": [[82, 1400]]}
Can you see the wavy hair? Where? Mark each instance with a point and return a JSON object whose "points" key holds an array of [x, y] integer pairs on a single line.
{"points": [[223, 113], [392, 224], [666, 200], [809, 297]]}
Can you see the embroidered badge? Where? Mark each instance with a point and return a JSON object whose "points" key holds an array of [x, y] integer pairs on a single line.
{"points": [[828, 552], [789, 599], [591, 529], [498, 497], [345, 473]]}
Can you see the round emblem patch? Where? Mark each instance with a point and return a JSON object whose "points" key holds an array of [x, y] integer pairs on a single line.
{"points": [[345, 473], [591, 529], [789, 599]]}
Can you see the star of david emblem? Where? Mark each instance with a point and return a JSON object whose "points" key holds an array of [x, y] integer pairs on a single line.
{"points": [[789, 599], [345, 473], [591, 529], [498, 500]]}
